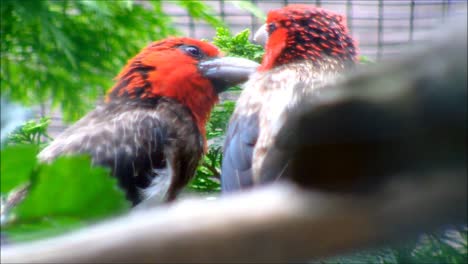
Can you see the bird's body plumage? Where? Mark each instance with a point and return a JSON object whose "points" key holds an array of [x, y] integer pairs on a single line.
{"points": [[295, 64], [139, 142], [259, 115]]}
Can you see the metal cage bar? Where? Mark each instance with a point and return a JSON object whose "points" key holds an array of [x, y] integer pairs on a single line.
{"points": [[379, 26]]}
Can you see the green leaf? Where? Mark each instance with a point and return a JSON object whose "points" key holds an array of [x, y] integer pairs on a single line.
{"points": [[219, 119], [31, 132], [206, 179], [238, 45], [64, 195], [18, 163], [71, 187]]}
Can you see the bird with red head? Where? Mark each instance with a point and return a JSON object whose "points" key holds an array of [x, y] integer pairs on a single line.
{"points": [[150, 131], [306, 47], [301, 32]]}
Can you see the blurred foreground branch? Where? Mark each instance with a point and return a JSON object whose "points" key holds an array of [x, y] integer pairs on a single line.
{"points": [[273, 224]]}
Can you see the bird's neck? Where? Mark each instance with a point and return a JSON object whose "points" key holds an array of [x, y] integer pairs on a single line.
{"points": [[304, 69], [200, 108]]}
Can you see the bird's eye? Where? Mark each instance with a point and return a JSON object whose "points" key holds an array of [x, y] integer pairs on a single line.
{"points": [[192, 51], [271, 28]]}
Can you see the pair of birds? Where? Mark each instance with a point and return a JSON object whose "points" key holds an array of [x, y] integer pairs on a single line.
{"points": [[151, 130]]}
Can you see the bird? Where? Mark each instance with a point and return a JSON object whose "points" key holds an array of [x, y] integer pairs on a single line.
{"points": [[305, 48], [396, 122], [150, 129]]}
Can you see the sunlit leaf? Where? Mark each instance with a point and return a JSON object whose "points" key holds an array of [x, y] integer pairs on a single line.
{"points": [[17, 164], [237, 45], [71, 187]]}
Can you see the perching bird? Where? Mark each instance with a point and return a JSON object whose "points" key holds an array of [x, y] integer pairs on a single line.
{"points": [[151, 130], [306, 47], [397, 122]]}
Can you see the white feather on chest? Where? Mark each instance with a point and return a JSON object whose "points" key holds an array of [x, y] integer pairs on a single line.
{"points": [[156, 192]]}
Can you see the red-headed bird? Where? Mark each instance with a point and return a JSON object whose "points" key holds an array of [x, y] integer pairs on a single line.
{"points": [[151, 130], [306, 47]]}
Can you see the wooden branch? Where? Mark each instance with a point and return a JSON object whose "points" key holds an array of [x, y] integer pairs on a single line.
{"points": [[277, 223]]}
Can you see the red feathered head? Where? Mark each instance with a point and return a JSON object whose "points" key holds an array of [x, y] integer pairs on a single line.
{"points": [[188, 70], [298, 32]]}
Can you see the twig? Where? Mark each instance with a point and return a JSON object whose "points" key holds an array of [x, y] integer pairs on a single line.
{"points": [[214, 171]]}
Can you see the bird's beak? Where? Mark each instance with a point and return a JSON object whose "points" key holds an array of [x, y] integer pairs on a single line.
{"points": [[261, 35], [226, 72]]}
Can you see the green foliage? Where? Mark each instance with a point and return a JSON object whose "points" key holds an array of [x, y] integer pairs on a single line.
{"points": [[57, 190], [219, 119], [238, 45], [209, 171], [441, 247], [62, 195], [448, 247], [31, 132], [68, 51], [18, 163]]}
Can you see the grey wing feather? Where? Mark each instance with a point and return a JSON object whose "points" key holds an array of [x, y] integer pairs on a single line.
{"points": [[240, 141]]}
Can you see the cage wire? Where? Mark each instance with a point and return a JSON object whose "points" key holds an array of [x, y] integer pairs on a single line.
{"points": [[380, 27]]}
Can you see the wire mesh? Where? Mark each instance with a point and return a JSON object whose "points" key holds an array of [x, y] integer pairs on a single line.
{"points": [[380, 27]]}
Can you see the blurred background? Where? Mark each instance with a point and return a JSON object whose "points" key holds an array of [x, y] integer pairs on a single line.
{"points": [[58, 57], [381, 27]]}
